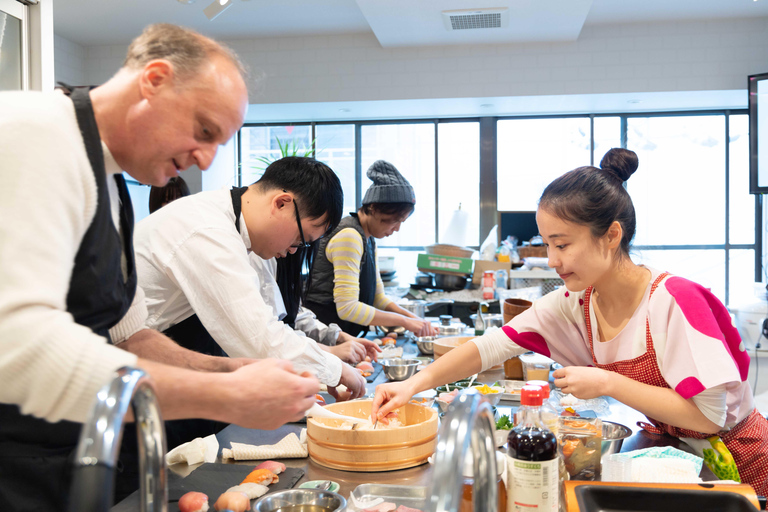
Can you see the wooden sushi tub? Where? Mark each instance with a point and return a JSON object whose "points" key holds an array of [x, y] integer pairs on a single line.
{"points": [[442, 346], [372, 450]]}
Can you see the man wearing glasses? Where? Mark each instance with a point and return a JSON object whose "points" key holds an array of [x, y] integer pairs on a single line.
{"points": [[201, 291]]}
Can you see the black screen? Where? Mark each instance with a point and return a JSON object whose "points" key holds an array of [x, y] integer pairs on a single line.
{"points": [[521, 225]]}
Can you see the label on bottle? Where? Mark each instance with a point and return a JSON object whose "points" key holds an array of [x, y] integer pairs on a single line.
{"points": [[533, 485]]}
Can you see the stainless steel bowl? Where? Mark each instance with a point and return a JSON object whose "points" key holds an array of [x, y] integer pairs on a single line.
{"points": [[614, 435], [426, 344], [301, 499], [417, 307], [399, 369]]}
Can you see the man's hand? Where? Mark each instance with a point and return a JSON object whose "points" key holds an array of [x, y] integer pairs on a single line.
{"points": [[352, 380], [371, 349], [268, 393]]}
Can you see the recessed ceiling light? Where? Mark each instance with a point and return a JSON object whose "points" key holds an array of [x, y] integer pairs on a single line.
{"points": [[186, 1], [634, 102], [216, 8], [343, 110], [487, 105]]}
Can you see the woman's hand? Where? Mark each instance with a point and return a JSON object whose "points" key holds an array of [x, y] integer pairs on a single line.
{"points": [[582, 381], [388, 398], [420, 327]]}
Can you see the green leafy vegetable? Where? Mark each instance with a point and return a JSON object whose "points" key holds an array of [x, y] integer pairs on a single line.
{"points": [[504, 423]]}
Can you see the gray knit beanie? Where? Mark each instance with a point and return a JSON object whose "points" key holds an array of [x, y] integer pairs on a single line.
{"points": [[389, 186]]}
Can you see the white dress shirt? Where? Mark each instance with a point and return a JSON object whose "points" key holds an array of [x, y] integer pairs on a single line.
{"points": [[192, 260], [306, 322]]}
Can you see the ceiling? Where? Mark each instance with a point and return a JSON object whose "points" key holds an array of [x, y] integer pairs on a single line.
{"points": [[393, 22]]}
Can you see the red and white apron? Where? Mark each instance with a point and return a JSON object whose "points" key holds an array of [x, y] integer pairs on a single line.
{"points": [[747, 441]]}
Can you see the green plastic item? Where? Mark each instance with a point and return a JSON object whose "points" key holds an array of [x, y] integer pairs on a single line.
{"points": [[720, 461]]}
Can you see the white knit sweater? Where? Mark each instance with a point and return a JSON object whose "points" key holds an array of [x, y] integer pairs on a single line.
{"points": [[49, 365]]}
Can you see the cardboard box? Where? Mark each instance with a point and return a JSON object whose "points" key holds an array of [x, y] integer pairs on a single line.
{"points": [[445, 264], [483, 265]]}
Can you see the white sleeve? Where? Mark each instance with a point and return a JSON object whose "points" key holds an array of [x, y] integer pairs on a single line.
{"points": [[49, 365], [307, 322], [135, 319], [495, 347], [712, 404], [224, 291]]}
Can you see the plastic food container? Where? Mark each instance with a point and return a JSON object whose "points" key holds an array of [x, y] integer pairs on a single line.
{"points": [[535, 367], [579, 441], [370, 495]]}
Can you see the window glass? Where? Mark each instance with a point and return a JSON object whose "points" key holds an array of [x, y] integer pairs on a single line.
{"points": [[706, 267], [336, 147], [10, 53], [261, 145], [139, 197], [458, 175], [741, 265], [607, 136], [533, 152], [411, 149], [742, 203], [678, 187]]}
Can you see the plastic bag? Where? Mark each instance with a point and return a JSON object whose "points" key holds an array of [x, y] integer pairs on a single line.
{"points": [[488, 247]]}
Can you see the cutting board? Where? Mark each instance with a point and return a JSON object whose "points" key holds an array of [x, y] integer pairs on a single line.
{"points": [[214, 479]]}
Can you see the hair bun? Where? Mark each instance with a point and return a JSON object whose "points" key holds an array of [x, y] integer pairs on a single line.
{"points": [[620, 162]]}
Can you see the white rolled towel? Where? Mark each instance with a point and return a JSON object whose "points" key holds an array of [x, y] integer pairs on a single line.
{"points": [[289, 447]]}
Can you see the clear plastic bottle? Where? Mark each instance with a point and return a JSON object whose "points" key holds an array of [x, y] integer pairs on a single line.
{"points": [[532, 460], [549, 414]]}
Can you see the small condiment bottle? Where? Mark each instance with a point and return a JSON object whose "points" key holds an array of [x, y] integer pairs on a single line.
{"points": [[489, 283], [480, 320], [466, 504]]}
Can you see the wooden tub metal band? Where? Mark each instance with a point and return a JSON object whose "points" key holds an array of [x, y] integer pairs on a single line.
{"points": [[370, 447], [338, 464]]}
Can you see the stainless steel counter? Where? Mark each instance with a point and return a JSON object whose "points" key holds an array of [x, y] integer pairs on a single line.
{"points": [[420, 475]]}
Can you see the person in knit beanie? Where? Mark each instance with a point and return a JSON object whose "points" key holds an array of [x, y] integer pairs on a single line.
{"points": [[345, 286]]}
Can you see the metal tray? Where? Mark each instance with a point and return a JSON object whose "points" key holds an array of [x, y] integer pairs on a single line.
{"points": [[363, 496]]}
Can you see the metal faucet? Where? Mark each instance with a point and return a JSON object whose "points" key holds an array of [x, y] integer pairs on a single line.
{"points": [[468, 422], [99, 446]]}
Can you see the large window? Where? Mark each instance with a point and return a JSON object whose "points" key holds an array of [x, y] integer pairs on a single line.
{"points": [[695, 216], [533, 152], [410, 148]]}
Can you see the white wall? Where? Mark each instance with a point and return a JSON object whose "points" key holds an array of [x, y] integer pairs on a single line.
{"points": [[640, 57], [69, 62]]}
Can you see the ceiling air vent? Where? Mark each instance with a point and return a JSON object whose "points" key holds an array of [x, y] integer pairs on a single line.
{"points": [[476, 18]]}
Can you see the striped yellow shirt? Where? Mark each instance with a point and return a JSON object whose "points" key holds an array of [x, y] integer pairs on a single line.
{"points": [[345, 251]]}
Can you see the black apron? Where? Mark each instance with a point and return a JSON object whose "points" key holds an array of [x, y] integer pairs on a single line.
{"points": [[192, 334], [320, 296], [36, 456]]}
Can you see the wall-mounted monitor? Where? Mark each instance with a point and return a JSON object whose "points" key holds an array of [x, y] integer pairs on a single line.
{"points": [[758, 134], [521, 225]]}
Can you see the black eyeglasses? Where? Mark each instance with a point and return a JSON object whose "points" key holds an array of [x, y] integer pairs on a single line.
{"points": [[303, 243]]}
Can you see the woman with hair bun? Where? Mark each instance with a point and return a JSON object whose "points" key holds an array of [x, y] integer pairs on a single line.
{"points": [[661, 344]]}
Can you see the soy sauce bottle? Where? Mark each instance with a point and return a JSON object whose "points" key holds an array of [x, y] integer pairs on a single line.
{"points": [[532, 462]]}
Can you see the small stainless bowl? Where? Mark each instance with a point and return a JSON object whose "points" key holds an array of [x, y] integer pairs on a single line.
{"points": [[301, 499], [614, 435], [426, 344], [399, 369]]}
